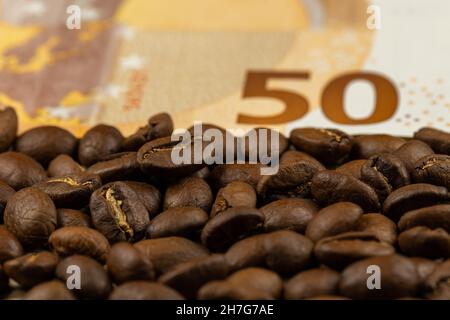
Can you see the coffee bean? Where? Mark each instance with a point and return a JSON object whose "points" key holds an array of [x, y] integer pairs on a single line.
{"points": [[246, 284], [224, 174], [144, 290], [31, 216], [332, 220], [290, 214], [366, 146], [98, 142], [189, 192], [32, 268], [119, 166], [182, 221], [411, 197], [79, 240], [4, 281], [72, 218], [424, 268], [230, 226], [437, 283], [352, 168], [148, 195], [398, 274], [118, 213], [263, 145], [411, 152], [166, 253], [312, 283], [330, 146], [202, 173], [71, 191], [234, 194], [188, 277], [438, 140], [8, 128], [20, 171], [63, 165], [10, 247], [50, 290], [126, 263], [94, 281], [380, 226], [434, 169], [160, 125], [425, 242], [437, 216], [5, 193], [329, 186], [44, 143]]}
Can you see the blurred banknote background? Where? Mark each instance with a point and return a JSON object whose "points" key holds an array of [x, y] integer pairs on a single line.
{"points": [[362, 66]]}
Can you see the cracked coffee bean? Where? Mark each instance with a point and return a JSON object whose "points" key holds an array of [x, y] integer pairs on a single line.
{"points": [[434, 169], [411, 152], [234, 194], [148, 194]]}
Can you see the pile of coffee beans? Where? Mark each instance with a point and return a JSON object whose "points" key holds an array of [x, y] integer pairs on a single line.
{"points": [[113, 217]]}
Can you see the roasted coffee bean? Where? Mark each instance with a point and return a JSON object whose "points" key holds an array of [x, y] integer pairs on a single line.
{"points": [[290, 214], [5, 193], [98, 142], [10, 247], [246, 284], [182, 221], [411, 152], [293, 178], [332, 220], [189, 192], [31, 216], [366, 146], [4, 281], [94, 281], [312, 283], [413, 196], [126, 263], [438, 140], [424, 268], [259, 142], [380, 226], [339, 251], [329, 186], [45, 143], [202, 173], [189, 276], [8, 128], [352, 168], [63, 165], [144, 290], [223, 174], [32, 268], [434, 169], [19, 170], [71, 191], [398, 278], [425, 242], [148, 194], [166, 253], [155, 157], [234, 194], [120, 166], [51, 290], [437, 283], [159, 125], [118, 213], [230, 226], [330, 146], [285, 252], [437, 216], [72, 218], [79, 240], [384, 173]]}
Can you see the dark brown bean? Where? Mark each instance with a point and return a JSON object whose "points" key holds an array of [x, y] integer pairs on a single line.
{"points": [[312, 283], [234, 194], [189, 192], [411, 152], [51, 290], [8, 128], [63, 165], [438, 140], [437, 283], [434, 169], [383, 228], [437, 216], [5, 193], [148, 194], [366, 146], [10, 247], [72, 218], [144, 290], [224, 174], [352, 168], [19, 170], [425, 242], [120, 166]]}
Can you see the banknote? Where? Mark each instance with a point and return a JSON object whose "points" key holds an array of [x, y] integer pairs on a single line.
{"points": [[361, 66]]}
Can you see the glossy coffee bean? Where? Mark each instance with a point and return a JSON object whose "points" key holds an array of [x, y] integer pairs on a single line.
{"points": [[437, 284], [434, 169], [312, 283], [352, 168], [126, 263], [79, 240], [5, 193], [398, 274], [332, 220], [32, 268], [45, 143], [438, 140], [64, 165], [234, 194], [188, 277], [246, 284], [144, 290], [437, 216], [411, 152], [330, 146], [166, 253], [425, 242], [118, 213], [19, 170], [31, 216], [230, 226], [148, 194], [290, 214], [380, 226], [366, 146], [8, 128], [10, 247], [119, 166], [329, 186], [50, 290], [94, 281], [223, 174], [72, 218], [98, 142], [189, 192], [182, 221]]}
